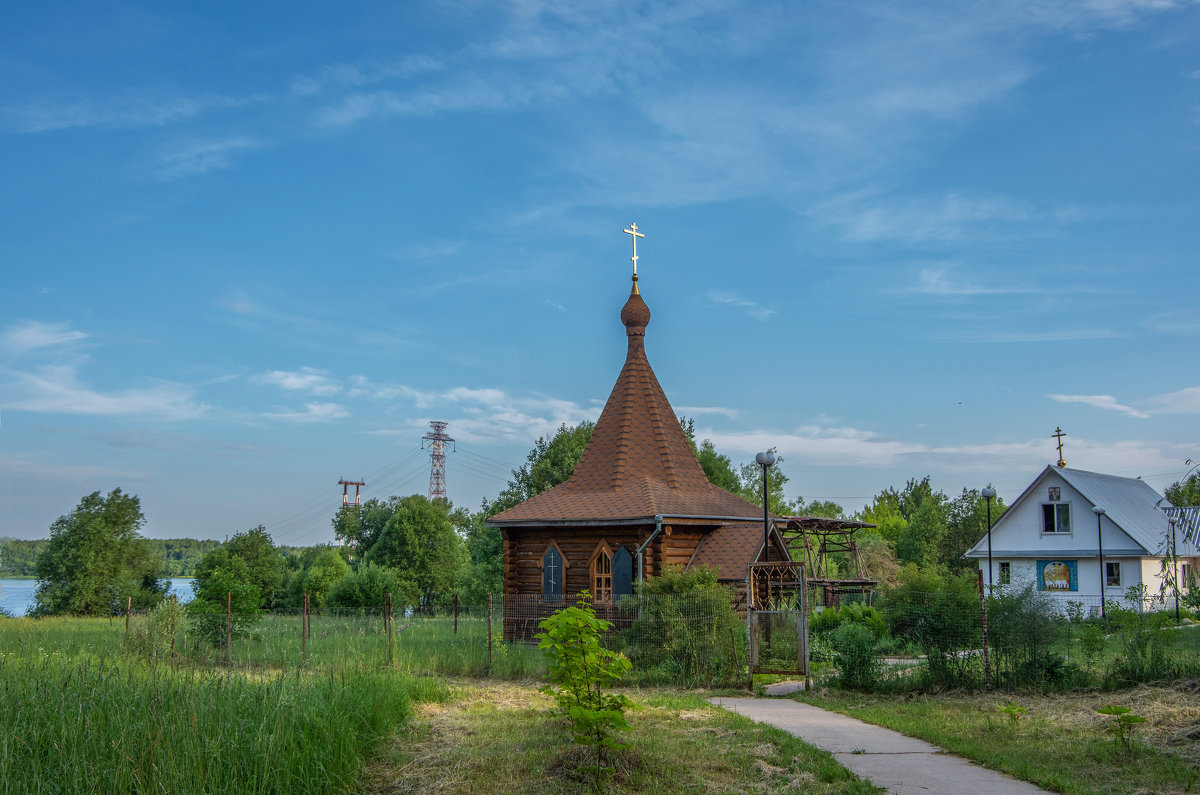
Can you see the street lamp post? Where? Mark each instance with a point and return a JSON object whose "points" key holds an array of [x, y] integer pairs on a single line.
{"points": [[988, 493], [1174, 565], [766, 461], [1096, 509]]}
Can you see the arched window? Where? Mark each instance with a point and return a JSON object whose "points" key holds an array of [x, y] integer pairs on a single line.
{"points": [[602, 574], [554, 572]]}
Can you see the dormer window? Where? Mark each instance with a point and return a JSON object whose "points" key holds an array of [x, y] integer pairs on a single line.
{"points": [[1056, 517]]}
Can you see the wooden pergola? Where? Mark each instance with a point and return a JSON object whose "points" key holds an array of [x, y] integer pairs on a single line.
{"points": [[813, 540]]}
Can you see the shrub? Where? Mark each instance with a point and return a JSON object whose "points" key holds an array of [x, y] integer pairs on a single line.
{"points": [[220, 592], [855, 657], [1025, 634], [369, 588], [939, 614], [685, 623], [831, 618], [157, 639], [1145, 641]]}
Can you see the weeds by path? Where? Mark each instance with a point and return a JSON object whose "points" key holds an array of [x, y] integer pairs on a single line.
{"points": [[1061, 742], [501, 738]]}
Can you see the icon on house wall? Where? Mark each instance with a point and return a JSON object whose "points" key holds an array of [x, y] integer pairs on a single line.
{"points": [[1055, 493]]}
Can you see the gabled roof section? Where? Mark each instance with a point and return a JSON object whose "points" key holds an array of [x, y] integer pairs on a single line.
{"points": [[733, 546], [638, 462], [1129, 503]]}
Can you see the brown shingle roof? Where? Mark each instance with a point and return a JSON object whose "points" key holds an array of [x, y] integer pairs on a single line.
{"points": [[638, 462], [733, 546]]}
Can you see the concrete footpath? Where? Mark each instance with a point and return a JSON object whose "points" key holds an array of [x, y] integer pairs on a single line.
{"points": [[888, 758]]}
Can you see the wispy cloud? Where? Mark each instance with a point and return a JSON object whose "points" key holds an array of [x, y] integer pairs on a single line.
{"points": [[1052, 335], [857, 448], [1178, 322], [313, 412], [432, 249], [752, 308], [197, 157], [941, 281], [868, 216], [354, 75], [1183, 401], [57, 389], [1107, 402], [118, 112], [701, 411], [30, 335], [482, 414], [307, 379]]}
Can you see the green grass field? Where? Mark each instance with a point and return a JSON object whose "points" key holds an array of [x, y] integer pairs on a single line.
{"points": [[85, 713]]}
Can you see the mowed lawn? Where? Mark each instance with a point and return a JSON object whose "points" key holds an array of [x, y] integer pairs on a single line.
{"points": [[1059, 742]]}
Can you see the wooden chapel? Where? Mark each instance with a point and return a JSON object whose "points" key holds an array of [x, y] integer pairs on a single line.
{"points": [[638, 501]]}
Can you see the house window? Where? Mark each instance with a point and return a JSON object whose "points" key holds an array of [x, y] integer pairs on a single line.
{"points": [[1005, 572], [602, 579], [1056, 517], [1185, 576], [552, 573], [1112, 574]]}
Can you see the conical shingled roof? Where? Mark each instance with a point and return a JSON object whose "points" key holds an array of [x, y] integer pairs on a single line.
{"points": [[638, 462]]}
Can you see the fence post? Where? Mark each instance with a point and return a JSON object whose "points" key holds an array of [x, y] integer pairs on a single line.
{"points": [[987, 668], [128, 607], [304, 631], [455, 614], [228, 627], [388, 622], [489, 634]]}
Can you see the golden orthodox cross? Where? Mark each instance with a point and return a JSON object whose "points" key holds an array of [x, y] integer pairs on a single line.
{"points": [[1058, 434], [636, 234]]}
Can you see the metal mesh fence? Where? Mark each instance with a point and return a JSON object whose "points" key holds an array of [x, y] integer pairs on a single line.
{"points": [[1018, 638], [679, 638]]}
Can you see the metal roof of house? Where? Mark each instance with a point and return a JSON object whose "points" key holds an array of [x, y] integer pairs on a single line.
{"points": [[1187, 529], [1129, 503]]}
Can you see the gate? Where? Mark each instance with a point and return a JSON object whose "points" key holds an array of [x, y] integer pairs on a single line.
{"points": [[777, 618]]}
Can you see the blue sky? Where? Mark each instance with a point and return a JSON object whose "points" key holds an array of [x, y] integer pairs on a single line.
{"points": [[249, 249]]}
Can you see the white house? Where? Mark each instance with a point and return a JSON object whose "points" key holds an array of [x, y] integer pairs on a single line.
{"points": [[1051, 535]]}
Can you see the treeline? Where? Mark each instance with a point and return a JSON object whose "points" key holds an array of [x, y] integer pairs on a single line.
{"points": [[180, 556], [425, 552]]}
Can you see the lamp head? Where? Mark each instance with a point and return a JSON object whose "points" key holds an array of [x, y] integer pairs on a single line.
{"points": [[1098, 510], [988, 493], [1174, 520], [765, 459]]}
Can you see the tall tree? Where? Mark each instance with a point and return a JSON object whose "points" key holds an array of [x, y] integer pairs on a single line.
{"points": [[750, 476], [95, 560], [421, 544], [718, 468], [1183, 493], [485, 566], [966, 523], [361, 526], [320, 568], [249, 557], [549, 463]]}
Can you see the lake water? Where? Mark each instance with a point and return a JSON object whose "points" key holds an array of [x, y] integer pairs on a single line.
{"points": [[16, 596]]}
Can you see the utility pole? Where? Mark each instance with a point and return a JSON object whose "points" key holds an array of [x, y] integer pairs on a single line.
{"points": [[437, 438]]}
